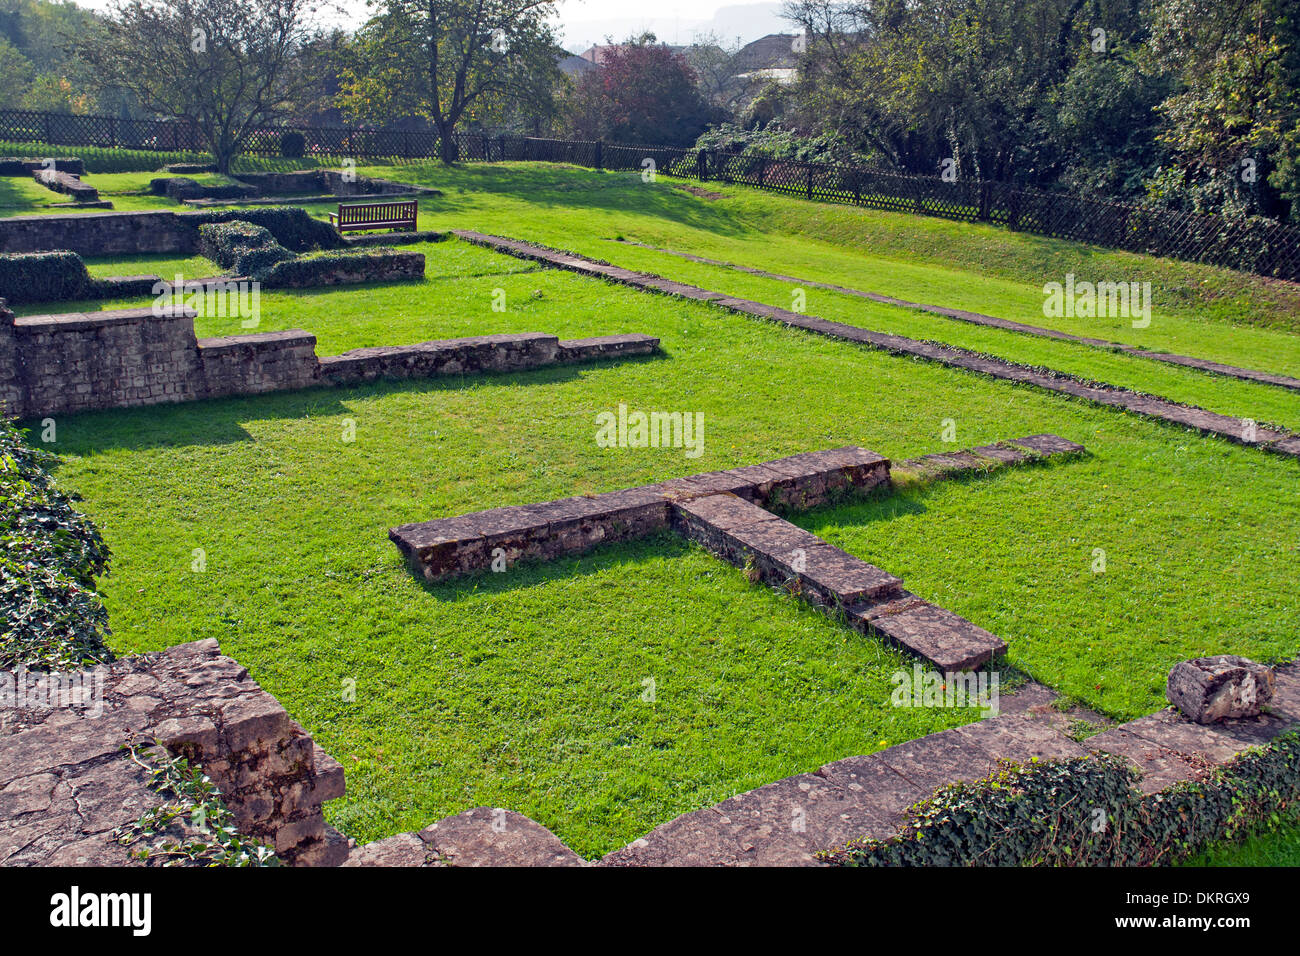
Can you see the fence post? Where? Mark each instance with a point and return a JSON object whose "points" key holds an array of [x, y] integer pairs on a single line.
{"points": [[762, 170], [809, 184], [600, 153], [702, 165]]}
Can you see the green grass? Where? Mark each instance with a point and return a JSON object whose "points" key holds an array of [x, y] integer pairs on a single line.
{"points": [[524, 690], [1278, 845]]}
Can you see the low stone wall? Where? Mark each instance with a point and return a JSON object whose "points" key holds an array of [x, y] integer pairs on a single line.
{"points": [[23, 166], [252, 364], [78, 362], [1239, 430], [100, 233], [56, 364], [65, 182], [66, 783], [182, 187], [465, 544], [331, 181], [350, 268]]}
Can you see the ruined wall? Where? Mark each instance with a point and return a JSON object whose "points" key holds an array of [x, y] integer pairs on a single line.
{"points": [[265, 362], [115, 359], [66, 783], [53, 364], [99, 233]]}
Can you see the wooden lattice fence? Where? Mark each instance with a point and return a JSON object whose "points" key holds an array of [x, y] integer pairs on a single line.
{"points": [[1257, 245]]}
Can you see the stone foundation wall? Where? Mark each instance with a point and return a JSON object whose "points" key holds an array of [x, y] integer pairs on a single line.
{"points": [[66, 783], [56, 364], [78, 362], [100, 233], [251, 364], [64, 182]]}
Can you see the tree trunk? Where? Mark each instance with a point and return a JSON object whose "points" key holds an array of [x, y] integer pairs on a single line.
{"points": [[448, 150]]}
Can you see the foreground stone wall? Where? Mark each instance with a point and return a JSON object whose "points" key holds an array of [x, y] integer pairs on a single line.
{"points": [[56, 364], [66, 783], [77, 362]]}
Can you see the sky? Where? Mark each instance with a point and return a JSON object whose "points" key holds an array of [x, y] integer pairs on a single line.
{"points": [[582, 23]]}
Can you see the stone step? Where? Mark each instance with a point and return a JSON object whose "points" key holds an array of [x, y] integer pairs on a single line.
{"points": [[787, 823], [949, 642], [785, 556], [483, 836], [466, 544]]}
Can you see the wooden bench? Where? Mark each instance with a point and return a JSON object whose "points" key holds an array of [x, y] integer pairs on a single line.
{"points": [[355, 217]]}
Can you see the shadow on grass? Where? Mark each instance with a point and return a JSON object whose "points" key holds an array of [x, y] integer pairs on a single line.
{"points": [[530, 573], [573, 187], [220, 421]]}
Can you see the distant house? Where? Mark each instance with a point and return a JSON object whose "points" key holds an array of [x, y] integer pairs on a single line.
{"points": [[596, 55], [574, 65], [768, 58], [774, 51]]}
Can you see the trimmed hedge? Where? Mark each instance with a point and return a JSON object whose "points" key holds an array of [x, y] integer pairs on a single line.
{"points": [[373, 265], [43, 277], [60, 276], [51, 617], [243, 247], [101, 159], [1086, 811], [291, 226]]}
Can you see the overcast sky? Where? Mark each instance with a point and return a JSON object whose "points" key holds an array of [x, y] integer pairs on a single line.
{"points": [[584, 22]]}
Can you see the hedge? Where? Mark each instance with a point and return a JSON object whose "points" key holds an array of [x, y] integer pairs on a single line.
{"points": [[50, 555], [291, 226], [60, 276], [1086, 811], [43, 277], [101, 159], [373, 265], [243, 247]]}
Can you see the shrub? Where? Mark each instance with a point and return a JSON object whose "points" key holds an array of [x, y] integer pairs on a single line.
{"points": [[244, 247], [375, 265], [50, 555], [43, 277], [292, 144], [291, 226], [1086, 811], [102, 159], [775, 142]]}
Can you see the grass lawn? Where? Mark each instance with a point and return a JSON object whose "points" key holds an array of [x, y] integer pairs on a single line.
{"points": [[1275, 846], [525, 690]]}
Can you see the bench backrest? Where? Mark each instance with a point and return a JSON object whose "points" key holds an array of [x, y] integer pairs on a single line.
{"points": [[351, 215]]}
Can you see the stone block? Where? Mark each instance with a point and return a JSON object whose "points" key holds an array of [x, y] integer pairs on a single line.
{"points": [[1210, 689]]}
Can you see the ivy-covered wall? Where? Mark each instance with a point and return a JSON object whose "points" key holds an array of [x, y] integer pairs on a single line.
{"points": [[1087, 811]]}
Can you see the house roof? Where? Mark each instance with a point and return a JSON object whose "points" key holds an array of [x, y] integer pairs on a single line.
{"points": [[774, 51]]}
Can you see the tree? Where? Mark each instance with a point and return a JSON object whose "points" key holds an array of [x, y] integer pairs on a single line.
{"points": [[974, 82], [451, 61], [641, 92], [1234, 122], [15, 72], [229, 67]]}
